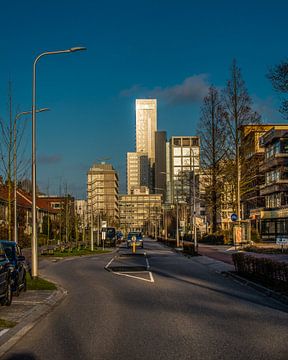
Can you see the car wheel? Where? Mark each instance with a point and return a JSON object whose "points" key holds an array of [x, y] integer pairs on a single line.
{"points": [[25, 283], [8, 297], [16, 292]]}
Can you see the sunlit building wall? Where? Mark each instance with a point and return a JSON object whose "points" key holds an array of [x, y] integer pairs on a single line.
{"points": [[102, 192], [146, 126]]}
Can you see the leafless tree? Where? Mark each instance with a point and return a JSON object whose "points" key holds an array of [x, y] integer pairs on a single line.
{"points": [[238, 108], [8, 140], [212, 131], [278, 75]]}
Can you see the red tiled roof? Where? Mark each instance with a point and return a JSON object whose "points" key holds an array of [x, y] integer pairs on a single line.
{"points": [[24, 199]]}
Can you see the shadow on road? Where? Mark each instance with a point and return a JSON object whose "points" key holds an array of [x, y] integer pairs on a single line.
{"points": [[278, 306]]}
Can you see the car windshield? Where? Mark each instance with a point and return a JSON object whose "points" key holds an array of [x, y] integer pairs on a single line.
{"points": [[137, 234], [10, 252]]}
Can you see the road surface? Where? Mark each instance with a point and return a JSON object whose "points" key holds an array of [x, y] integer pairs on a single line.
{"points": [[161, 305]]}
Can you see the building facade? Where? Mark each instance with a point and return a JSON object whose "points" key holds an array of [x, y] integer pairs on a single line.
{"points": [[184, 160], [140, 211], [137, 170], [146, 126], [160, 163], [252, 154], [274, 217], [102, 193]]}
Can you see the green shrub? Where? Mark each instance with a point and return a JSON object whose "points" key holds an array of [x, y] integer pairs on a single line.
{"points": [[213, 239], [189, 249], [268, 272]]}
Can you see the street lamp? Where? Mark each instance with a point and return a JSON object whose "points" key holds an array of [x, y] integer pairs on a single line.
{"points": [[15, 166], [34, 220], [193, 217]]}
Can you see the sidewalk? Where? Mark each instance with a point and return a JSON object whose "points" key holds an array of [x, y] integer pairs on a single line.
{"points": [[224, 253], [26, 310]]}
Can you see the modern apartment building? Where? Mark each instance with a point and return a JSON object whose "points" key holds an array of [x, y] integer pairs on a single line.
{"points": [[102, 193], [252, 155], [274, 217], [140, 211], [184, 160]]}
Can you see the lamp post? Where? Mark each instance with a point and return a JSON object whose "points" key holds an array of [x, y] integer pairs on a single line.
{"points": [[193, 216], [17, 117], [34, 220]]}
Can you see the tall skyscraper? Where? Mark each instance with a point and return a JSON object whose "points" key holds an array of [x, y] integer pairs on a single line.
{"points": [[146, 126]]}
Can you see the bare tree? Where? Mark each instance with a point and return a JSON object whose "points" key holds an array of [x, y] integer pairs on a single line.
{"points": [[238, 107], [212, 131], [10, 139], [279, 79]]}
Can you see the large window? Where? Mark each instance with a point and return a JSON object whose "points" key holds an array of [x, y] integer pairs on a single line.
{"points": [[273, 149], [177, 151]]}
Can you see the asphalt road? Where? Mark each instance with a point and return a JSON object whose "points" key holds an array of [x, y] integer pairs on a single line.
{"points": [[179, 309]]}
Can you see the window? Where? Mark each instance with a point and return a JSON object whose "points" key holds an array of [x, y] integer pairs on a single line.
{"points": [[186, 141], [177, 151], [186, 151], [177, 161], [186, 160], [284, 146], [177, 170], [177, 141]]}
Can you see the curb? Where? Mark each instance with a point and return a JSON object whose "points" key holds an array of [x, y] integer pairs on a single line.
{"points": [[268, 292], [14, 334]]}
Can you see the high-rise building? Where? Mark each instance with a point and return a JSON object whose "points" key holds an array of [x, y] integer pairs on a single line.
{"points": [[184, 160], [137, 170], [102, 192], [160, 163], [146, 126]]}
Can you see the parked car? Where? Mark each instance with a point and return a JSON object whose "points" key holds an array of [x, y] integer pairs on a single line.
{"points": [[135, 236], [110, 237], [6, 270], [20, 266]]}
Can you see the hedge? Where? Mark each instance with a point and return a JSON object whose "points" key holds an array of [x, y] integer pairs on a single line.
{"points": [[213, 239], [271, 273]]}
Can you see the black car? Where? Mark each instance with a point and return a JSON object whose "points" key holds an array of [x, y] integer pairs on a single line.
{"points": [[20, 266], [6, 270]]}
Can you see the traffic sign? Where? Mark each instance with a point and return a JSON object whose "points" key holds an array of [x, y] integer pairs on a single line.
{"points": [[234, 217]]}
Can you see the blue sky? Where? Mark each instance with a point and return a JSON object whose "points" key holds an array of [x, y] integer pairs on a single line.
{"points": [[150, 48]]}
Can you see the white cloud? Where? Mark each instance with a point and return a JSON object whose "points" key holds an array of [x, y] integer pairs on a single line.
{"points": [[191, 90]]}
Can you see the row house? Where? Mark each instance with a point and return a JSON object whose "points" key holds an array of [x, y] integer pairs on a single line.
{"points": [[24, 212]]}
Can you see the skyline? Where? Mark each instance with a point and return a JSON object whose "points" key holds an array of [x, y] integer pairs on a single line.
{"points": [[168, 51]]}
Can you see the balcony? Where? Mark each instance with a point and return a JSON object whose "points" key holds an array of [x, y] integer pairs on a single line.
{"points": [[280, 159], [279, 186]]}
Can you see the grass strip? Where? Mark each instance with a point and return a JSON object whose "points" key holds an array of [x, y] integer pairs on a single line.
{"points": [[39, 284], [5, 324], [76, 252]]}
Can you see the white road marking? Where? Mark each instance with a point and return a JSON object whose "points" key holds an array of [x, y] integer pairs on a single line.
{"points": [[151, 279], [136, 277], [147, 262], [109, 263], [2, 332]]}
